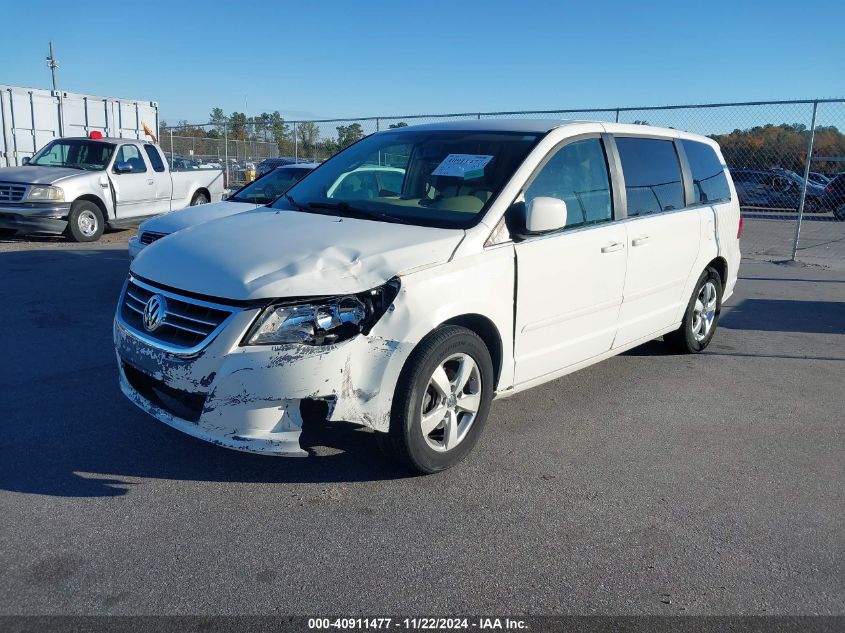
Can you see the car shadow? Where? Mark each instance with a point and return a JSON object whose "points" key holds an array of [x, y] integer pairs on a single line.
{"points": [[67, 430], [786, 315]]}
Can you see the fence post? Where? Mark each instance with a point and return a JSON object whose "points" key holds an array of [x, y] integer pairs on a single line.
{"points": [[617, 115], [295, 144], [171, 148], [378, 125], [806, 180], [226, 150]]}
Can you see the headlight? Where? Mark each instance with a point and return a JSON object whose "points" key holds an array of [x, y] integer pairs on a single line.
{"points": [[42, 194], [324, 321]]}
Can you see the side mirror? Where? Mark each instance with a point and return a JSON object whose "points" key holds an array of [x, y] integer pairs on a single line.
{"points": [[543, 215], [25, 160], [122, 167]]}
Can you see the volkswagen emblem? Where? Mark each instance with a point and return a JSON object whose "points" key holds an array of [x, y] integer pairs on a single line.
{"points": [[154, 312]]}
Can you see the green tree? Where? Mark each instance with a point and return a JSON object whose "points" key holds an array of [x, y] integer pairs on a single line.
{"points": [[237, 126], [307, 134], [218, 119], [348, 134], [393, 126]]}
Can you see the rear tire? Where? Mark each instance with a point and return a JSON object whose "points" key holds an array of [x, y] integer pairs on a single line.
{"points": [[701, 316], [199, 198], [441, 402], [85, 222]]}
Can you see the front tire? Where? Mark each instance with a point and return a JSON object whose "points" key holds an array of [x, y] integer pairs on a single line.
{"points": [[85, 222], [441, 402], [839, 213], [701, 316], [199, 198]]}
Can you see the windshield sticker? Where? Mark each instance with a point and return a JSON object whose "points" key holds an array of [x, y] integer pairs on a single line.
{"points": [[466, 166]]}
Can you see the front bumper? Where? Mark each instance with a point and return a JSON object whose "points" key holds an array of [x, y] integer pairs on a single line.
{"points": [[35, 217], [256, 398]]}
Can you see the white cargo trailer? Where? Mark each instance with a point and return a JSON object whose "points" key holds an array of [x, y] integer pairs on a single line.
{"points": [[32, 117]]}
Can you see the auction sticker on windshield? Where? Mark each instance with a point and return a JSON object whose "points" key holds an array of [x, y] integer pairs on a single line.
{"points": [[464, 166]]}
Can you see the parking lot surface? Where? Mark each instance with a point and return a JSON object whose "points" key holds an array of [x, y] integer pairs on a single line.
{"points": [[647, 484]]}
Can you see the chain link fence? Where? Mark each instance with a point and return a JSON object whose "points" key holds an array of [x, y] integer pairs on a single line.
{"points": [[783, 155], [208, 145]]}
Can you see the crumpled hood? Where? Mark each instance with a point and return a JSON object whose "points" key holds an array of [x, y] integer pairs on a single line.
{"points": [[190, 216], [275, 254], [39, 175]]}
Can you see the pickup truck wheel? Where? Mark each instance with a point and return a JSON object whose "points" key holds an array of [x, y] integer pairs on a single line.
{"points": [[441, 402], [85, 222], [199, 198], [701, 316]]}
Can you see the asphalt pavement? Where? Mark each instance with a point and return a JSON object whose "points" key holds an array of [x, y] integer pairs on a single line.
{"points": [[648, 484]]}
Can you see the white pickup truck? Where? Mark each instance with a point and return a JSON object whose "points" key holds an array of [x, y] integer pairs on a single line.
{"points": [[78, 186]]}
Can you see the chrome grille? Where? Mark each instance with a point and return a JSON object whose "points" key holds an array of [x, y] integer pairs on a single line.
{"points": [[188, 323], [10, 192], [148, 237]]}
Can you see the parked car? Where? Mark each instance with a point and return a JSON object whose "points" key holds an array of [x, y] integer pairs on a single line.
{"points": [[775, 189], [78, 186], [260, 192], [834, 197], [819, 178], [269, 164], [515, 252]]}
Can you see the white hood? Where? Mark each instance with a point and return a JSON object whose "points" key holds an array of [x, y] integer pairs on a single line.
{"points": [[35, 175], [189, 216], [275, 254]]}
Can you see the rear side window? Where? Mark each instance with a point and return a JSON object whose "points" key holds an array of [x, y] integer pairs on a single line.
{"points": [[576, 174], [652, 175], [708, 173], [155, 158]]}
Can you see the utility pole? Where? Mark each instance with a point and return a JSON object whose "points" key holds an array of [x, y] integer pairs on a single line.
{"points": [[52, 64]]}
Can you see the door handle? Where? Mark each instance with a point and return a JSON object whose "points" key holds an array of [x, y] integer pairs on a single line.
{"points": [[150, 181], [610, 248], [639, 241]]}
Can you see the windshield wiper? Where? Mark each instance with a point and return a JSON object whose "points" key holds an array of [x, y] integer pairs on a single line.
{"points": [[346, 208]]}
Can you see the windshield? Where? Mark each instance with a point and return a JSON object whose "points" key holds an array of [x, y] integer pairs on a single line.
{"points": [[78, 153], [441, 178], [270, 186]]}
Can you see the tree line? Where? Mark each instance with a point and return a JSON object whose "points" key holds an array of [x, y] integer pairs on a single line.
{"points": [[764, 146], [304, 138]]}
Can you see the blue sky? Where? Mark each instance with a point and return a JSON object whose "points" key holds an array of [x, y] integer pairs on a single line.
{"points": [[328, 59]]}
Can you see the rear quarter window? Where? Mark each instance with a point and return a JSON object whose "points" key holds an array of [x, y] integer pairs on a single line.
{"points": [[155, 158], [708, 174]]}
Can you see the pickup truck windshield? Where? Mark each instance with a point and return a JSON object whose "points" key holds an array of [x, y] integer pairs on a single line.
{"points": [[78, 153], [439, 178], [270, 186]]}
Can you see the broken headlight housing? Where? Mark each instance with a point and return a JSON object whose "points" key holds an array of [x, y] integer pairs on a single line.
{"points": [[322, 321]]}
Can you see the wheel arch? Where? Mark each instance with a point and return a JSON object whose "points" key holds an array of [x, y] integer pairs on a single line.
{"points": [[97, 201], [720, 265], [487, 332], [198, 191]]}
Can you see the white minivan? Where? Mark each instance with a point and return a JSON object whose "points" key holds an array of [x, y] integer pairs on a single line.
{"points": [[508, 254]]}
